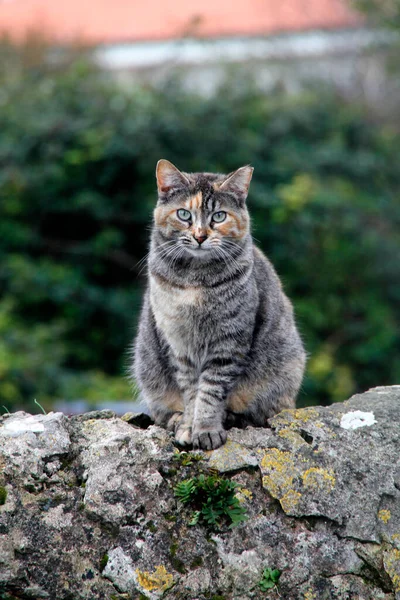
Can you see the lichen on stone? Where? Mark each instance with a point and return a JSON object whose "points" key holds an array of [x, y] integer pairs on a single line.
{"points": [[244, 495], [395, 539], [357, 418], [384, 515], [290, 500], [391, 563], [292, 417], [293, 437], [159, 580], [318, 478], [279, 469]]}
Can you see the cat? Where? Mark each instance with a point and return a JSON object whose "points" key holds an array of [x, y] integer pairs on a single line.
{"points": [[217, 344]]}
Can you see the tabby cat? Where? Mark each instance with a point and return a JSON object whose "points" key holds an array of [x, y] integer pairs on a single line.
{"points": [[217, 343]]}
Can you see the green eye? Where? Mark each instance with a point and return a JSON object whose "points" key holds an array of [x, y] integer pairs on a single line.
{"points": [[184, 215], [218, 217]]}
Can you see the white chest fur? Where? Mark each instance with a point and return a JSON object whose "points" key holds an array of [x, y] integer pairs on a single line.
{"points": [[172, 307]]}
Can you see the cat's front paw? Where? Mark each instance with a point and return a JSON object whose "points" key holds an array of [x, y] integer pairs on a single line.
{"points": [[183, 434], [174, 421], [209, 440]]}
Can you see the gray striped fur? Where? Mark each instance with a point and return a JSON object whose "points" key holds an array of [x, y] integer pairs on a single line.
{"points": [[217, 343]]}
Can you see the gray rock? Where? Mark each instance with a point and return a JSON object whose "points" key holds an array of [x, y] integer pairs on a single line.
{"points": [[88, 510]]}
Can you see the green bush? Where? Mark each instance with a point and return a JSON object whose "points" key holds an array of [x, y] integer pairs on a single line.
{"points": [[77, 189]]}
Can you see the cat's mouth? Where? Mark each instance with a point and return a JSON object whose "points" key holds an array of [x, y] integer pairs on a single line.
{"points": [[199, 251]]}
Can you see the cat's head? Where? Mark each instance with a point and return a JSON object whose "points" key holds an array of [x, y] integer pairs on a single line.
{"points": [[203, 214]]}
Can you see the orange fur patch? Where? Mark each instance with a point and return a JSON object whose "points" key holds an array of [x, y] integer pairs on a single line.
{"points": [[194, 202], [174, 401], [234, 226], [163, 214], [240, 399]]}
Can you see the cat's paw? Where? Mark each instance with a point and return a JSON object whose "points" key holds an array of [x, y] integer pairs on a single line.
{"points": [[174, 421], [209, 440], [183, 434]]}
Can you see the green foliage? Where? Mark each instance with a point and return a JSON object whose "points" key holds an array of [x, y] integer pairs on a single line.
{"points": [[270, 579], [381, 12], [39, 405], [103, 562], [214, 499], [187, 459], [3, 495], [77, 189]]}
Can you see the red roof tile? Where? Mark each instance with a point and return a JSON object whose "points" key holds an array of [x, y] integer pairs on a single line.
{"points": [[110, 21]]}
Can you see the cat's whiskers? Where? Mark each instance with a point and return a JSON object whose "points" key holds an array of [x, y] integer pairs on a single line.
{"points": [[223, 253], [166, 252], [143, 261], [224, 257], [178, 251]]}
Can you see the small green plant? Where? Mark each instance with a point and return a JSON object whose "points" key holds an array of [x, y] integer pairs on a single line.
{"points": [[213, 498], [269, 579], [3, 495], [7, 411], [39, 405], [187, 459], [103, 562]]}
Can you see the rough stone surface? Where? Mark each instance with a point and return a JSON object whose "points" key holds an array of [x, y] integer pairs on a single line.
{"points": [[87, 507]]}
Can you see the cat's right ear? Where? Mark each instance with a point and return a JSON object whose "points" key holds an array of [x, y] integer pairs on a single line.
{"points": [[169, 177]]}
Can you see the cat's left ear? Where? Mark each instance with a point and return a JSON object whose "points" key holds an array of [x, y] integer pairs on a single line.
{"points": [[238, 182], [169, 177]]}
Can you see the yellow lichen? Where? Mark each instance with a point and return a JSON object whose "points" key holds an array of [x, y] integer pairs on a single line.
{"points": [[290, 500], [396, 540], [384, 515], [292, 436], [316, 477], [280, 471], [391, 563], [160, 579], [291, 417], [309, 595], [244, 495]]}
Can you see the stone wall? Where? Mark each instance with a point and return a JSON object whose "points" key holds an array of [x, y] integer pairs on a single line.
{"points": [[88, 508]]}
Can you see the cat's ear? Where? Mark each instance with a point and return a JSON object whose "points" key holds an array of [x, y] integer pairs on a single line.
{"points": [[238, 182], [169, 177]]}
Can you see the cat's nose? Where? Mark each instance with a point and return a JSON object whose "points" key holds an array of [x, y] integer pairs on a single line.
{"points": [[200, 238]]}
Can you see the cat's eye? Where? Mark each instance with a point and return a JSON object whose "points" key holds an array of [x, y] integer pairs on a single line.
{"points": [[184, 215], [219, 216]]}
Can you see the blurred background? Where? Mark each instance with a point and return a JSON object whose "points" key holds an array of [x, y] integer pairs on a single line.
{"points": [[93, 93]]}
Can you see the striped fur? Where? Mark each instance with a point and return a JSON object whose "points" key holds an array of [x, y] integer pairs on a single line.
{"points": [[217, 343]]}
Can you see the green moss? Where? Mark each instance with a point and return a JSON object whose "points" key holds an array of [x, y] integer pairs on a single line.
{"points": [[213, 499], [103, 562], [151, 527], [173, 548], [187, 459], [177, 563], [170, 517], [3, 495], [196, 562]]}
